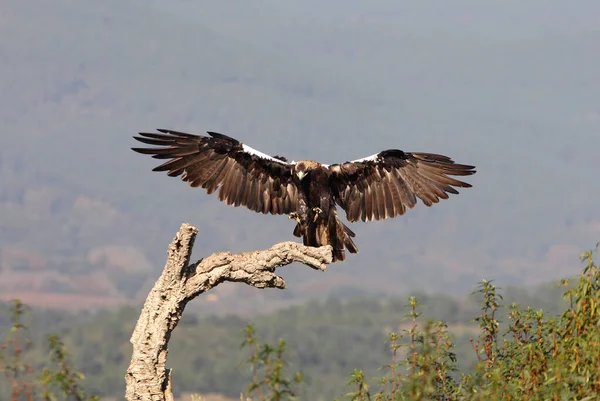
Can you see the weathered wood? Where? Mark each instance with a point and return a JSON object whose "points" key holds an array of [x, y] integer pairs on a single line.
{"points": [[147, 377]]}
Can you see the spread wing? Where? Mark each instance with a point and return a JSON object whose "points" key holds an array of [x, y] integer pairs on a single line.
{"points": [[243, 176], [384, 185]]}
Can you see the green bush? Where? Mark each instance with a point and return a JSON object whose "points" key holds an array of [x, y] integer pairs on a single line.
{"points": [[532, 358], [57, 381], [521, 354]]}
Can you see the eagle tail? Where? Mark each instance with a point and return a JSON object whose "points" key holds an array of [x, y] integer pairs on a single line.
{"points": [[340, 236], [299, 230], [327, 231]]}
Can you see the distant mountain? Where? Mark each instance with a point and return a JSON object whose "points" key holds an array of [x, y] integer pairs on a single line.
{"points": [[84, 217]]}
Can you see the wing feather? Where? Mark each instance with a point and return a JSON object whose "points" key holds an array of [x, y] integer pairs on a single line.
{"points": [[368, 200], [385, 185], [242, 175], [408, 197], [381, 202], [388, 197], [212, 183]]}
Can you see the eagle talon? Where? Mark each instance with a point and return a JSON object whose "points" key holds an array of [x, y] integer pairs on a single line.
{"points": [[294, 216], [317, 213]]}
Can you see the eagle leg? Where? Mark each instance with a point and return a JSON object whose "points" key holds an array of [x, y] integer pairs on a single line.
{"points": [[318, 213], [294, 216]]}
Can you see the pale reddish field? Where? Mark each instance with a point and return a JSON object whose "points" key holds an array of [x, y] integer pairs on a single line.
{"points": [[62, 301]]}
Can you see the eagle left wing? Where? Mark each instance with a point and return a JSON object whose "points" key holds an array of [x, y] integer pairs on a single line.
{"points": [[243, 175], [384, 185]]}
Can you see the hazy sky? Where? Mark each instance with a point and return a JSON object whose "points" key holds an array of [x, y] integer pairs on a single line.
{"points": [[512, 87]]}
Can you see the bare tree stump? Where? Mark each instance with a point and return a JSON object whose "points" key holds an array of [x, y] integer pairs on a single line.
{"points": [[147, 377]]}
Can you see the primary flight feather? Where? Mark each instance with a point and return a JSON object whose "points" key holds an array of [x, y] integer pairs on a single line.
{"points": [[377, 187]]}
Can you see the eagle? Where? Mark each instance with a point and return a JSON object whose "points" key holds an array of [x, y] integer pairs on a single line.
{"points": [[376, 187]]}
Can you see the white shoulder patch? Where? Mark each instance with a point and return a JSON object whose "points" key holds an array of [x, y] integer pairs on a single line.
{"points": [[255, 152], [334, 168], [371, 158]]}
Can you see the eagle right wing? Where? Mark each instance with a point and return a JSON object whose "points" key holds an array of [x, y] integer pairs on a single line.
{"points": [[243, 176], [386, 184]]}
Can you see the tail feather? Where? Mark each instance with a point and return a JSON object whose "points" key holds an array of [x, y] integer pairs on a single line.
{"points": [[298, 230], [331, 232], [340, 237]]}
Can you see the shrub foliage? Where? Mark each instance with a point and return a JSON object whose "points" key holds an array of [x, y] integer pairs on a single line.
{"points": [[521, 354]]}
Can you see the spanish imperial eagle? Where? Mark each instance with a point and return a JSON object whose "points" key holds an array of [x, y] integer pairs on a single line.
{"points": [[373, 188]]}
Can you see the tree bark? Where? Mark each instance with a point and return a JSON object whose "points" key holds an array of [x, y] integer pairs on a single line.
{"points": [[147, 377]]}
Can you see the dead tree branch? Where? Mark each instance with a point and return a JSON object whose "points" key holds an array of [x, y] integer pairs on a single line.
{"points": [[147, 377]]}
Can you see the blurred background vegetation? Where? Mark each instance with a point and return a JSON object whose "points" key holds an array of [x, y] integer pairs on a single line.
{"points": [[325, 340]]}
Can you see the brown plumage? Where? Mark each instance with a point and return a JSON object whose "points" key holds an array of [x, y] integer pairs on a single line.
{"points": [[374, 188]]}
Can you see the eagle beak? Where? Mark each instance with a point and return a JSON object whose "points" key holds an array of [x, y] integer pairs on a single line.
{"points": [[300, 174]]}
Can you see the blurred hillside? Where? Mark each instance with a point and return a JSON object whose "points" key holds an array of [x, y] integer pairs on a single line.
{"points": [[84, 222]]}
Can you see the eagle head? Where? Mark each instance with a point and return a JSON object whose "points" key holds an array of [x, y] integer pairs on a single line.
{"points": [[303, 167]]}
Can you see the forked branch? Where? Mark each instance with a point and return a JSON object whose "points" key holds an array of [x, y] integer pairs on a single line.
{"points": [[147, 377]]}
